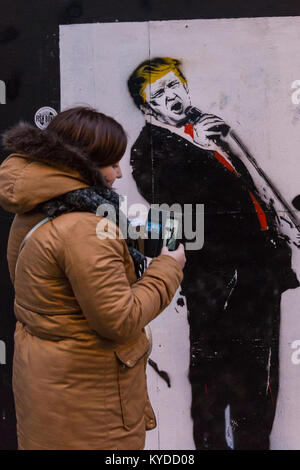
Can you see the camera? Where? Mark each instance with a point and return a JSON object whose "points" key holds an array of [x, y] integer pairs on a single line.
{"points": [[163, 228]]}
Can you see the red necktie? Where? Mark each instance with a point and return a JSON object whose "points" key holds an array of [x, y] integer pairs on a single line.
{"points": [[189, 129]]}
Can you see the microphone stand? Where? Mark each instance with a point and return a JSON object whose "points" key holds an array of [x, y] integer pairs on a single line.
{"points": [[287, 221]]}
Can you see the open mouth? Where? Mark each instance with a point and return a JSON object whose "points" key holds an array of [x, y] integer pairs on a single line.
{"points": [[177, 107]]}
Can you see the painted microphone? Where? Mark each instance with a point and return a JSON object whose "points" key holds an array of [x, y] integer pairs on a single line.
{"points": [[193, 115]]}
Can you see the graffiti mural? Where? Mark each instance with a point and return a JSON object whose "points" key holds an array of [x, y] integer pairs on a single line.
{"points": [[233, 284], [201, 131]]}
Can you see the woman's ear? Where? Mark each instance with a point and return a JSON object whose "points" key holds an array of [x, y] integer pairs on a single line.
{"points": [[146, 110]]}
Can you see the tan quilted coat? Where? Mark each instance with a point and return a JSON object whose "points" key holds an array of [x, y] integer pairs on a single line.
{"points": [[80, 354]]}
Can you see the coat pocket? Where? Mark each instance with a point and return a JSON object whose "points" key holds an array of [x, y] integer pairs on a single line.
{"points": [[132, 380]]}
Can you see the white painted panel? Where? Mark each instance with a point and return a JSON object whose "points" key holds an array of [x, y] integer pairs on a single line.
{"points": [[241, 70]]}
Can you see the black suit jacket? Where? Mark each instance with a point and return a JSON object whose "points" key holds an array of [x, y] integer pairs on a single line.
{"points": [[241, 269]]}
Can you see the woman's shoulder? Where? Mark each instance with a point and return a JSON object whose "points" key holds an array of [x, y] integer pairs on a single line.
{"points": [[75, 229]]}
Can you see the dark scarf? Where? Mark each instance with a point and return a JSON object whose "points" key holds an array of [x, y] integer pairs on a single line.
{"points": [[88, 200]]}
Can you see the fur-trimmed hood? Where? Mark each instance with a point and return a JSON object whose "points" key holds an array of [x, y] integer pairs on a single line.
{"points": [[42, 166]]}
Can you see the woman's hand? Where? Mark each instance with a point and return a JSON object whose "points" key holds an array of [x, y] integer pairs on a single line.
{"points": [[178, 254]]}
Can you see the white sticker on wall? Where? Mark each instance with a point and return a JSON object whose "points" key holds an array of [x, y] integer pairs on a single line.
{"points": [[44, 116]]}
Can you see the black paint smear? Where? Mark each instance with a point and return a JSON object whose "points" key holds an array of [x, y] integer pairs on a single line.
{"points": [[72, 11], [8, 34], [296, 202], [180, 301], [13, 87], [145, 3], [163, 374]]}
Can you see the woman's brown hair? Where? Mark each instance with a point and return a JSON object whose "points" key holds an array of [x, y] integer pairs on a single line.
{"points": [[100, 136]]}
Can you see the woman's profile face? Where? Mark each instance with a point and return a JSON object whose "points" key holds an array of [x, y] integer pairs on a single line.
{"points": [[111, 173]]}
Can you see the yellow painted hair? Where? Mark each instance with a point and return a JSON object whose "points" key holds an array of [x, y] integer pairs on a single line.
{"points": [[153, 70]]}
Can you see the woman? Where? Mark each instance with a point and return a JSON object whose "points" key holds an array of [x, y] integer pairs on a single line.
{"points": [[81, 301]]}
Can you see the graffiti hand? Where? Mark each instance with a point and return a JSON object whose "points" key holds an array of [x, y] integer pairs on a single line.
{"points": [[207, 132]]}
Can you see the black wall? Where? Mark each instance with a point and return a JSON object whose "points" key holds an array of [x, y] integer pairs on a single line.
{"points": [[29, 64]]}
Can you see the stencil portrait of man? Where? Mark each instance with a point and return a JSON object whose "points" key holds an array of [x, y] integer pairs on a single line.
{"points": [[233, 284]]}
